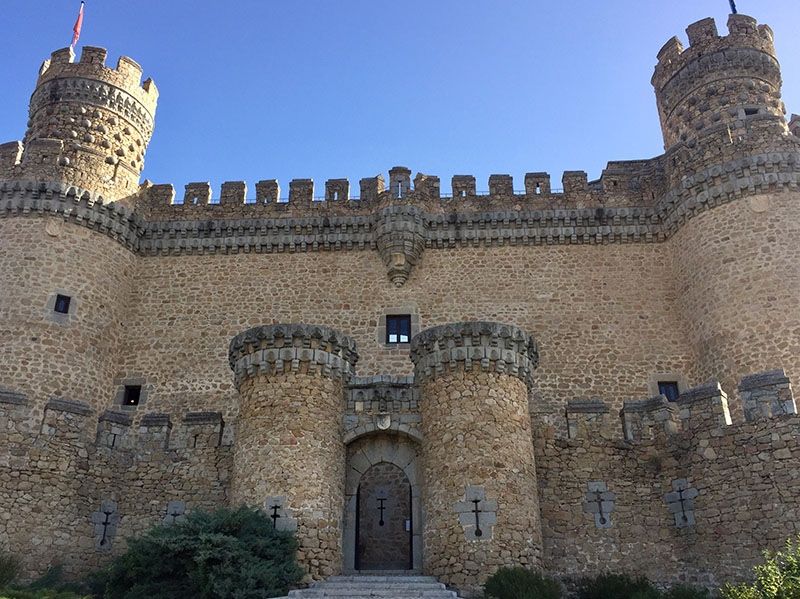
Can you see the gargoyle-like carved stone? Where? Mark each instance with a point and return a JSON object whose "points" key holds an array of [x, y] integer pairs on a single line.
{"points": [[400, 237]]}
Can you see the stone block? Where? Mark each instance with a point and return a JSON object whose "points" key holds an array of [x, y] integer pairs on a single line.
{"points": [[767, 395]]}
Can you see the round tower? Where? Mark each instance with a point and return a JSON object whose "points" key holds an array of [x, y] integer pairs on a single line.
{"points": [[290, 456], [726, 83], [89, 125], [66, 259], [481, 500], [733, 205]]}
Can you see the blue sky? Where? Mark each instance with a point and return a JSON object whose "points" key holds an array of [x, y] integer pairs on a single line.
{"points": [[260, 89]]}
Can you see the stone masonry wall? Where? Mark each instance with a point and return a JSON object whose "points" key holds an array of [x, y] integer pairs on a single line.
{"points": [[605, 316], [739, 482], [481, 504], [59, 472], [737, 271], [480, 422], [289, 445], [74, 356], [290, 455]]}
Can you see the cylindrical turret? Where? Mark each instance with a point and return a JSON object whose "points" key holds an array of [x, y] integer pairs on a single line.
{"points": [[734, 169], [290, 457], [479, 493], [89, 125], [730, 82]]}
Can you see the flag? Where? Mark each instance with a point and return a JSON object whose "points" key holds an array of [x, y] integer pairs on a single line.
{"points": [[76, 30]]}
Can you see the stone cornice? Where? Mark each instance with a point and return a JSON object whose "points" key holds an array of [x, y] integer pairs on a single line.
{"points": [[703, 189], [486, 346], [281, 348], [73, 204], [94, 91]]}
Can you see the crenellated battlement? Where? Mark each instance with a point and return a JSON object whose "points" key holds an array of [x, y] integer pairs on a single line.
{"points": [[126, 75], [103, 118], [622, 183], [74, 423], [704, 409], [704, 39], [731, 80]]}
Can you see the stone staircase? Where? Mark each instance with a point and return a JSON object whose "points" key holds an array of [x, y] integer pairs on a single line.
{"points": [[376, 585]]}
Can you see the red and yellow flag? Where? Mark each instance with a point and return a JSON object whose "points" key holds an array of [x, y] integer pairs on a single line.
{"points": [[76, 30]]}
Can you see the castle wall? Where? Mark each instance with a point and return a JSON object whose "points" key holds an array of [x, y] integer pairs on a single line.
{"points": [[72, 355], [737, 270], [741, 486], [605, 316], [58, 473]]}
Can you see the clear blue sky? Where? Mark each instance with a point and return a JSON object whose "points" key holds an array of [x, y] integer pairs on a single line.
{"points": [[259, 89]]}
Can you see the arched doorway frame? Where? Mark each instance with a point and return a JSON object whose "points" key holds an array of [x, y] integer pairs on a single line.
{"points": [[392, 447]]}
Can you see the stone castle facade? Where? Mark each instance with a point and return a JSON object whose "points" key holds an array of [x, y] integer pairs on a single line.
{"points": [[583, 379]]}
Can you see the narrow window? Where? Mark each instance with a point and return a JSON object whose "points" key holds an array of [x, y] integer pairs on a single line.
{"points": [[398, 328], [133, 394], [750, 111], [538, 189], [669, 389], [62, 304]]}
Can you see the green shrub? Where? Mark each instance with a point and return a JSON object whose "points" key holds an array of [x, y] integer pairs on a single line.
{"points": [[617, 586], [38, 594], [232, 553], [520, 583], [48, 586], [686, 592], [9, 568], [777, 578]]}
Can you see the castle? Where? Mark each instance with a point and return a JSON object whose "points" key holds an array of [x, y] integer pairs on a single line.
{"points": [[581, 379]]}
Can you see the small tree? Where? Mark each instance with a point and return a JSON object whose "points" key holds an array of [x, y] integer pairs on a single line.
{"points": [[232, 553], [777, 578]]}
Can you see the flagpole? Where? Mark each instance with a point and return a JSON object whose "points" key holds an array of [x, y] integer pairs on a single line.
{"points": [[733, 7], [76, 29]]}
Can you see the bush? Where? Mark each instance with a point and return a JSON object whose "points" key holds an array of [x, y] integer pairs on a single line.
{"points": [[520, 583], [617, 586], [37, 594], [9, 568], [48, 586], [777, 578], [232, 553], [686, 592]]}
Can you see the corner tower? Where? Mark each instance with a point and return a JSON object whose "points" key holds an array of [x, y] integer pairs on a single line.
{"points": [[719, 83], [89, 125], [732, 209]]}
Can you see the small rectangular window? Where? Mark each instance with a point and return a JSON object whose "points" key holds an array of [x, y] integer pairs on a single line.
{"points": [[750, 111], [398, 328], [133, 394], [669, 389], [62, 304]]}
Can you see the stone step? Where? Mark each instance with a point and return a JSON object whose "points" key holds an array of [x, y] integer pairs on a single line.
{"points": [[373, 579], [382, 585], [373, 592]]}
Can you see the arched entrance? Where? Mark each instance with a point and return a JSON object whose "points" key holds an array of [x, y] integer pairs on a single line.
{"points": [[383, 519], [382, 485]]}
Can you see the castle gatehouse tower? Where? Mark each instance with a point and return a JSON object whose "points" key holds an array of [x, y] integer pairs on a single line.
{"points": [[289, 457], [479, 477]]}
